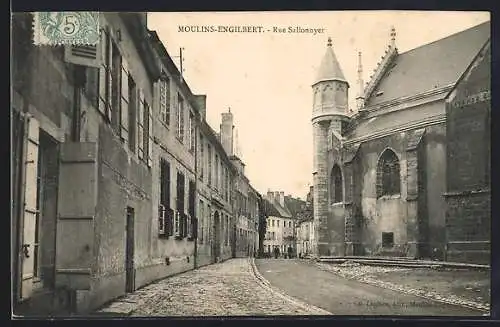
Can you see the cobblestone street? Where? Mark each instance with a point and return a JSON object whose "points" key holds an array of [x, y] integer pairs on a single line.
{"points": [[226, 289]]}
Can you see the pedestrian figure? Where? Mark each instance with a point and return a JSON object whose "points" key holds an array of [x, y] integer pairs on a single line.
{"points": [[276, 253], [290, 250]]}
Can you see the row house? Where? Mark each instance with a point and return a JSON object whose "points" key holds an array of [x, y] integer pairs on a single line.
{"points": [[244, 196], [83, 164], [215, 180], [280, 225], [175, 117], [304, 233]]}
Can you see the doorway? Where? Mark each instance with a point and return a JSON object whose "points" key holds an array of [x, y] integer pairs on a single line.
{"points": [[129, 252], [216, 242]]}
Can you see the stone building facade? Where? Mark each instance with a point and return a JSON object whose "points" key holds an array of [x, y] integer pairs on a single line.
{"points": [[280, 224], [380, 170], [112, 184]]}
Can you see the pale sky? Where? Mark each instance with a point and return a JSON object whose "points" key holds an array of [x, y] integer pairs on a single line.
{"points": [[266, 77]]}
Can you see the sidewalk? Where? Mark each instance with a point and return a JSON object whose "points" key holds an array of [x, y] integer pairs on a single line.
{"points": [[465, 287]]}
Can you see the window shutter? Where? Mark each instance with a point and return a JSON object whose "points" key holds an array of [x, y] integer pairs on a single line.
{"points": [[177, 224], [85, 55], [150, 137], [103, 73], [77, 194], [161, 220], [140, 125], [30, 213], [124, 101]]}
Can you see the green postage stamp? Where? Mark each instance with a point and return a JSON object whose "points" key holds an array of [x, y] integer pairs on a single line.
{"points": [[66, 27]]}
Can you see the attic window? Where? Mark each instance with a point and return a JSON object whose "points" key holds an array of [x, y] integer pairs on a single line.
{"points": [[379, 93]]}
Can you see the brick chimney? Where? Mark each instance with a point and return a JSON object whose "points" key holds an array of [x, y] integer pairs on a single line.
{"points": [[201, 102], [282, 199], [226, 132], [270, 195]]}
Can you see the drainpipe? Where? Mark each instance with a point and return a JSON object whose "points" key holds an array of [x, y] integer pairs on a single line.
{"points": [[196, 199]]}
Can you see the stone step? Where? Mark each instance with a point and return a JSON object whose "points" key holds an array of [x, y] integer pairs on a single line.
{"points": [[403, 262]]}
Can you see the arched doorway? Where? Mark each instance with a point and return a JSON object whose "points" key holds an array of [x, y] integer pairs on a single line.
{"points": [[216, 241]]}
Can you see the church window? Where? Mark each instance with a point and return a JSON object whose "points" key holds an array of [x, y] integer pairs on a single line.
{"points": [[388, 179], [336, 185]]}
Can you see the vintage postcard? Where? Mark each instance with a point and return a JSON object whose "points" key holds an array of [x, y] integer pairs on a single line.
{"points": [[321, 163]]}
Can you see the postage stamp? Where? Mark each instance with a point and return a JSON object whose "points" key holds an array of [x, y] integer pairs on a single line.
{"points": [[61, 28]]}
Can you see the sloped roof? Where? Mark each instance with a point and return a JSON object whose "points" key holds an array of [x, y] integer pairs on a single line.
{"points": [[396, 119], [430, 66], [276, 210], [329, 68]]}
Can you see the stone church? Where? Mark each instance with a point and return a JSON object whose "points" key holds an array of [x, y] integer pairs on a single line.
{"points": [[406, 174]]}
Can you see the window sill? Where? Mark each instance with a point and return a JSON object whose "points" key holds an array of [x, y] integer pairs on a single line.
{"points": [[389, 197], [337, 204]]}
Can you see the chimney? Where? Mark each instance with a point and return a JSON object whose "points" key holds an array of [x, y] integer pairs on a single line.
{"points": [[270, 195], [201, 102], [226, 132], [282, 199]]}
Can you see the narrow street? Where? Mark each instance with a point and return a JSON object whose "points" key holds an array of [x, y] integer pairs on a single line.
{"points": [[298, 288], [224, 289]]}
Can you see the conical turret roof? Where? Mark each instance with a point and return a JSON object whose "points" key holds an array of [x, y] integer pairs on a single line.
{"points": [[329, 69]]}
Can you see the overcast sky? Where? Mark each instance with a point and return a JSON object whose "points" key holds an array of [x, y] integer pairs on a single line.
{"points": [[266, 77]]}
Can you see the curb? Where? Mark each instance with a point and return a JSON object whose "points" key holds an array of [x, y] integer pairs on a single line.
{"points": [[407, 292], [265, 284]]}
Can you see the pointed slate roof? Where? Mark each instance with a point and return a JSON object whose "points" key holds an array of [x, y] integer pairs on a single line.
{"points": [[329, 68], [433, 65]]}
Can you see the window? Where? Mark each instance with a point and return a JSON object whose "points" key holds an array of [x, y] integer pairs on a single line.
{"points": [[180, 203], [191, 210], [290, 224], [165, 183], [115, 78], [132, 119], [192, 135], [140, 126], [147, 137], [209, 154], [201, 215], [272, 223], [388, 179], [228, 229], [336, 185], [166, 214], [387, 240], [165, 99], [180, 117], [202, 159], [227, 185], [216, 182]]}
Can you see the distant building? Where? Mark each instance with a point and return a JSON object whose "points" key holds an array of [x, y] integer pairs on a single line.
{"points": [[304, 232], [280, 224], [380, 170]]}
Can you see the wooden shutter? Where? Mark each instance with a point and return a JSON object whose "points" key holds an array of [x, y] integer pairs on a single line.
{"points": [[103, 73], [150, 136], [30, 212], [77, 201], [83, 55], [124, 101], [140, 125]]}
